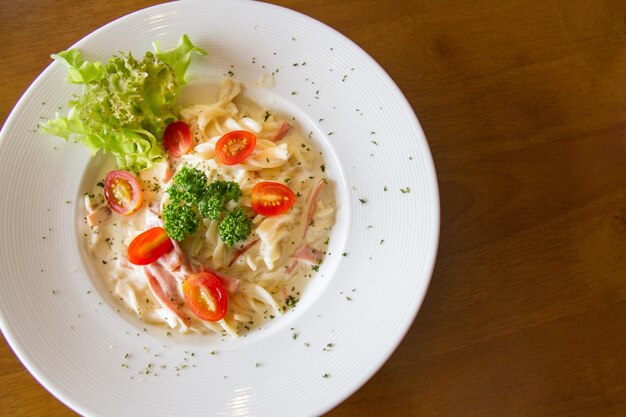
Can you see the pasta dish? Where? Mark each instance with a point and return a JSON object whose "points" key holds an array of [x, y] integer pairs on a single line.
{"points": [[216, 278]]}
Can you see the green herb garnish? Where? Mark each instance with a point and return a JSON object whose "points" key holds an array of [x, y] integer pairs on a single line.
{"points": [[193, 198]]}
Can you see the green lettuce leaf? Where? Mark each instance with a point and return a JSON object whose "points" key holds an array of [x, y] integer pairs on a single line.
{"points": [[126, 103]]}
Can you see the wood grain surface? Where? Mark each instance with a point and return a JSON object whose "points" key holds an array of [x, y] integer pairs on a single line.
{"points": [[524, 107]]}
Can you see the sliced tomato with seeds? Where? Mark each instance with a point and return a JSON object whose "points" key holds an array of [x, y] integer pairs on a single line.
{"points": [[122, 192], [177, 139], [234, 147], [205, 296], [149, 246], [272, 198]]}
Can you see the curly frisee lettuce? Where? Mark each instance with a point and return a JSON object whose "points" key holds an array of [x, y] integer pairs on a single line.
{"points": [[126, 103]]}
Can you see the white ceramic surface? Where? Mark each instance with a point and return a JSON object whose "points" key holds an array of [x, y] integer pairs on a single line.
{"points": [[66, 329]]}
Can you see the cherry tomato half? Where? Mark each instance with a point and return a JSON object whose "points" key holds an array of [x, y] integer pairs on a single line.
{"points": [[205, 296], [177, 138], [234, 147], [272, 198], [149, 246], [123, 192]]}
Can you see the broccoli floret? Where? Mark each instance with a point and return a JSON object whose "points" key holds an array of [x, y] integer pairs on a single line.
{"points": [[180, 220], [235, 227]]}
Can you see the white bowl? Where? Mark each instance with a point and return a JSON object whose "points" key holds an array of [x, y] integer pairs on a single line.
{"points": [[66, 329]]}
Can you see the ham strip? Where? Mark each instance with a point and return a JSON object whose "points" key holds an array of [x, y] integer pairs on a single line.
{"points": [[170, 168], [231, 284], [164, 287], [313, 204], [152, 218], [290, 267], [307, 254], [241, 251], [176, 259], [171, 260], [281, 132], [185, 266], [98, 216], [167, 281]]}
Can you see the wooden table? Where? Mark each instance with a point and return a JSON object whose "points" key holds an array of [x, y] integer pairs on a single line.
{"points": [[524, 106]]}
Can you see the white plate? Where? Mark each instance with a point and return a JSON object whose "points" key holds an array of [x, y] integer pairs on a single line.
{"points": [[65, 328]]}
